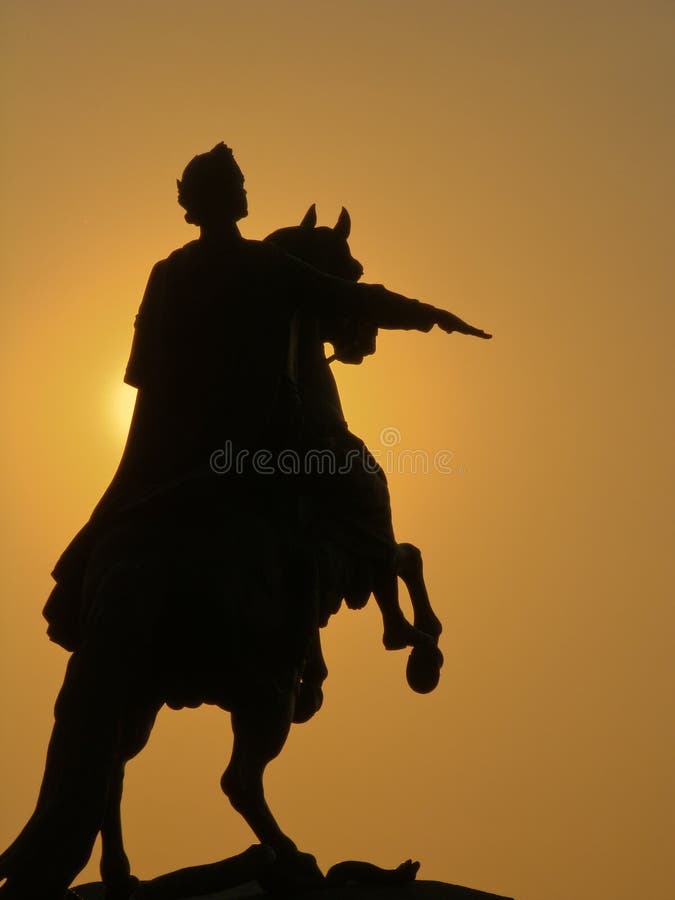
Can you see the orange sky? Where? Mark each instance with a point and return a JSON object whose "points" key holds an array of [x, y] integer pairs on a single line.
{"points": [[511, 161]]}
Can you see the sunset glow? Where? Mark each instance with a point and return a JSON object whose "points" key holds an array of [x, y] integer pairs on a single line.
{"points": [[122, 400]]}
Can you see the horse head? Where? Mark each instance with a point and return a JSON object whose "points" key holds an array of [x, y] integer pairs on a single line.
{"points": [[324, 248], [327, 249]]}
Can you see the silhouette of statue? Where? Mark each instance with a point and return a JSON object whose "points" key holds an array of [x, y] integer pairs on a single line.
{"points": [[186, 587]]}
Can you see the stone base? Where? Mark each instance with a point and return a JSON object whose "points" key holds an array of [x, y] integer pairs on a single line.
{"points": [[414, 890]]}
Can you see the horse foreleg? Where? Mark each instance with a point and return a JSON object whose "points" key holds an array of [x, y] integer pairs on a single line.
{"points": [[397, 630], [409, 568]]}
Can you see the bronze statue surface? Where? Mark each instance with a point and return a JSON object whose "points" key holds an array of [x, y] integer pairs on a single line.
{"points": [[194, 584]]}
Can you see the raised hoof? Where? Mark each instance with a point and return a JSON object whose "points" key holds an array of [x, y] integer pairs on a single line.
{"points": [[423, 671], [406, 635]]}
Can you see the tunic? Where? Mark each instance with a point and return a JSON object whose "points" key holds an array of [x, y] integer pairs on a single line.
{"points": [[210, 358]]}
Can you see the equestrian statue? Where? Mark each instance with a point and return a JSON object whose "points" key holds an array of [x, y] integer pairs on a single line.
{"points": [[241, 516]]}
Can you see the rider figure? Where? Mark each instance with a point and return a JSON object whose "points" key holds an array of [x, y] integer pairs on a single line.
{"points": [[210, 361]]}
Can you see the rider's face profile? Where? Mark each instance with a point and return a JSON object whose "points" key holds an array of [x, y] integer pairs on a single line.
{"points": [[240, 201], [234, 202]]}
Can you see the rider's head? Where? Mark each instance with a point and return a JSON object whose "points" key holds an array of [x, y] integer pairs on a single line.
{"points": [[211, 190]]}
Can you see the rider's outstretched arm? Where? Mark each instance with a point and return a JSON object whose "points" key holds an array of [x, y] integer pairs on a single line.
{"points": [[390, 310], [328, 296]]}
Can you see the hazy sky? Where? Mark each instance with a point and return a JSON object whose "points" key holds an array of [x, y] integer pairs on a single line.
{"points": [[512, 161]]}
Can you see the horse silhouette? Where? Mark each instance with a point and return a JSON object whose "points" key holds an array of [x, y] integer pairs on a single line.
{"points": [[260, 727]]}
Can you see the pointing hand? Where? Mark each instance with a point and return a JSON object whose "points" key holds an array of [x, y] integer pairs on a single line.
{"points": [[449, 323]]}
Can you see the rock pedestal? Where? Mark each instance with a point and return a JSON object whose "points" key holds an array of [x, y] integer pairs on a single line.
{"points": [[415, 890]]}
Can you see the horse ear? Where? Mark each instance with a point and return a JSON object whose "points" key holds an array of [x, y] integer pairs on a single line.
{"points": [[309, 220], [343, 225]]}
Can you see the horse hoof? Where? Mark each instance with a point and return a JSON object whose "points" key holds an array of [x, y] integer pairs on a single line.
{"points": [[294, 872], [121, 890], [423, 671]]}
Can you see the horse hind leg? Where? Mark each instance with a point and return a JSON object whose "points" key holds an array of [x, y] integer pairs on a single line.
{"points": [[261, 726], [57, 841], [115, 868], [410, 570]]}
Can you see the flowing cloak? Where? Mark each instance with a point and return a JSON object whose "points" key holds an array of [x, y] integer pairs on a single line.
{"points": [[212, 359]]}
